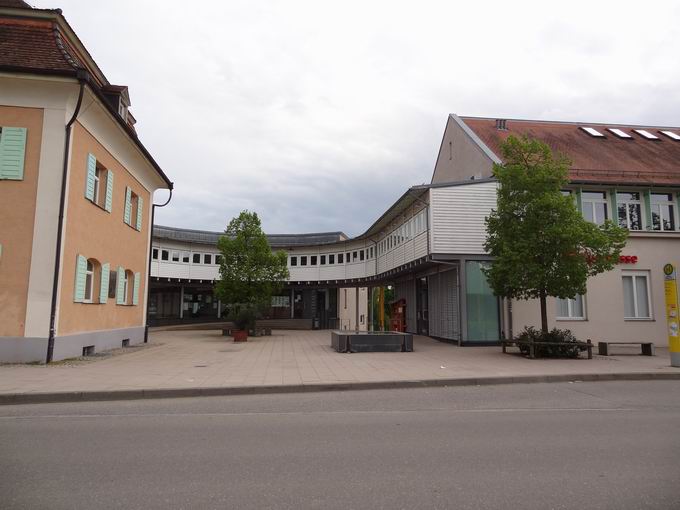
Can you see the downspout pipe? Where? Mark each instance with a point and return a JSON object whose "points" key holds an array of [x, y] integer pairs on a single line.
{"points": [[82, 76], [148, 276]]}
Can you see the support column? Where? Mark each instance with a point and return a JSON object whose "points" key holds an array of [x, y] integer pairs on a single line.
{"points": [[370, 308], [463, 303], [356, 318], [381, 307], [292, 303], [181, 301], [219, 309]]}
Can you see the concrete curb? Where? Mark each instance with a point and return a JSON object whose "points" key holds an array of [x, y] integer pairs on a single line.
{"points": [[94, 396]]}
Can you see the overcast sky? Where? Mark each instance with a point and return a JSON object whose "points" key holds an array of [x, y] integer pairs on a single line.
{"points": [[318, 115]]}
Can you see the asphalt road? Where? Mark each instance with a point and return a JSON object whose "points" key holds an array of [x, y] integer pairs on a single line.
{"points": [[609, 445]]}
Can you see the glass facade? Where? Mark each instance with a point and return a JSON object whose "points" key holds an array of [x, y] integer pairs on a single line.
{"points": [[482, 306]]}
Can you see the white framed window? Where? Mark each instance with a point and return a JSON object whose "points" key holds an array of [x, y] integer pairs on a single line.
{"points": [[154, 253], [594, 206], [185, 257], [97, 184], [663, 211], [293, 260], [207, 258], [196, 258], [175, 256], [127, 287], [89, 282], [571, 308], [636, 295], [629, 207]]}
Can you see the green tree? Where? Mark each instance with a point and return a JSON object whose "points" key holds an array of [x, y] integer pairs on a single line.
{"points": [[250, 273], [541, 244]]}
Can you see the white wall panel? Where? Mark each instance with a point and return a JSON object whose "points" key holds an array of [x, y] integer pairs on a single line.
{"points": [[457, 217]]}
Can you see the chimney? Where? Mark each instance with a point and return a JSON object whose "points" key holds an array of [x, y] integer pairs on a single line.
{"points": [[500, 124]]}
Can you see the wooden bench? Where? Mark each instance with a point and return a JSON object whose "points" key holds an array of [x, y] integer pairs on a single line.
{"points": [[647, 347], [588, 345]]}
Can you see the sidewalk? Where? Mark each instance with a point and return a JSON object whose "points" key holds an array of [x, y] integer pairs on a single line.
{"points": [[191, 363]]}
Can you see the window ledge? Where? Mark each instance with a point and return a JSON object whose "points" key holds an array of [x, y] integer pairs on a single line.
{"points": [[639, 319], [99, 206], [654, 233], [571, 319]]}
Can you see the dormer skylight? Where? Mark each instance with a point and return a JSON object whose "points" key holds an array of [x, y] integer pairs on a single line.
{"points": [[671, 134], [620, 133], [592, 132], [646, 134]]}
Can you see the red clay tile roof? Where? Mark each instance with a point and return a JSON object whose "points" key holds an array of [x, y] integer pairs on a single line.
{"points": [[18, 4], [35, 45], [609, 159]]}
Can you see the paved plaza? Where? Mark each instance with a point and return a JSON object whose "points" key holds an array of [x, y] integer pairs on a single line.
{"points": [[206, 359]]}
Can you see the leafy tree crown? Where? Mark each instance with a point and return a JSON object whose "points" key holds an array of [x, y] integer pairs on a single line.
{"points": [[541, 244]]}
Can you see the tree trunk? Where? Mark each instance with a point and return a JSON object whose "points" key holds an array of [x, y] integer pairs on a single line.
{"points": [[544, 313]]}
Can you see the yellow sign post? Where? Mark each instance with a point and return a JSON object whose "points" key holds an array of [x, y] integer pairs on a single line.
{"points": [[671, 292]]}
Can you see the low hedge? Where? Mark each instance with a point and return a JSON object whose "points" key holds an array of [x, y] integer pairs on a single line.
{"points": [[562, 343]]}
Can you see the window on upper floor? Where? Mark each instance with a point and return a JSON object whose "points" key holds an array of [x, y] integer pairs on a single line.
{"points": [[154, 254], [133, 210], [361, 254], [312, 260], [164, 254], [629, 207], [331, 258], [218, 260], [207, 258], [293, 260], [322, 260], [185, 257], [98, 183], [663, 211], [355, 255], [175, 256], [196, 258], [341, 257], [303, 260], [594, 206]]}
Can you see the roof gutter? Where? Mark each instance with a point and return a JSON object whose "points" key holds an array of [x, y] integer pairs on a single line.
{"points": [[60, 222]]}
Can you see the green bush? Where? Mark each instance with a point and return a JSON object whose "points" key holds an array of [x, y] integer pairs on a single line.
{"points": [[563, 344]]}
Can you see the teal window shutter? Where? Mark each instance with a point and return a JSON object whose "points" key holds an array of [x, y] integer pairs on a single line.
{"points": [[12, 153], [120, 291], [109, 190], [135, 290], [89, 181], [614, 205], [128, 205], [104, 287], [647, 194], [140, 207], [81, 269]]}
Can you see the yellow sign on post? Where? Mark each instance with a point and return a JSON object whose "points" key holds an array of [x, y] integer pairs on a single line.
{"points": [[671, 292]]}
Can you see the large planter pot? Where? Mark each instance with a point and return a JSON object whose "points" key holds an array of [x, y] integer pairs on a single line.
{"points": [[240, 335]]}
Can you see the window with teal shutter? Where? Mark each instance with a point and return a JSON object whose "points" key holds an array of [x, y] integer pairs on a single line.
{"points": [[109, 190], [104, 287], [12, 153], [89, 180], [81, 269], [120, 291], [135, 290], [140, 204], [128, 205]]}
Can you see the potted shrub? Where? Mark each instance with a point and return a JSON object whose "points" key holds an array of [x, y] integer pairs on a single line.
{"points": [[244, 321]]}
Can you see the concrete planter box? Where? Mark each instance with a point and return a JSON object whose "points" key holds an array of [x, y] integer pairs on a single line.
{"points": [[371, 341]]}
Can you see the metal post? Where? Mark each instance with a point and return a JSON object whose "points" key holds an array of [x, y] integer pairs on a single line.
{"points": [[219, 309], [381, 307], [292, 303]]}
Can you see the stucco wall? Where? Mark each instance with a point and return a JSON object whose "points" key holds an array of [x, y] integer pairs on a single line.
{"points": [[604, 299], [347, 308], [95, 233], [17, 210], [460, 160]]}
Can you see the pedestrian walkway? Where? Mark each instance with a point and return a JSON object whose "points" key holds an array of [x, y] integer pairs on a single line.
{"points": [[206, 359]]}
